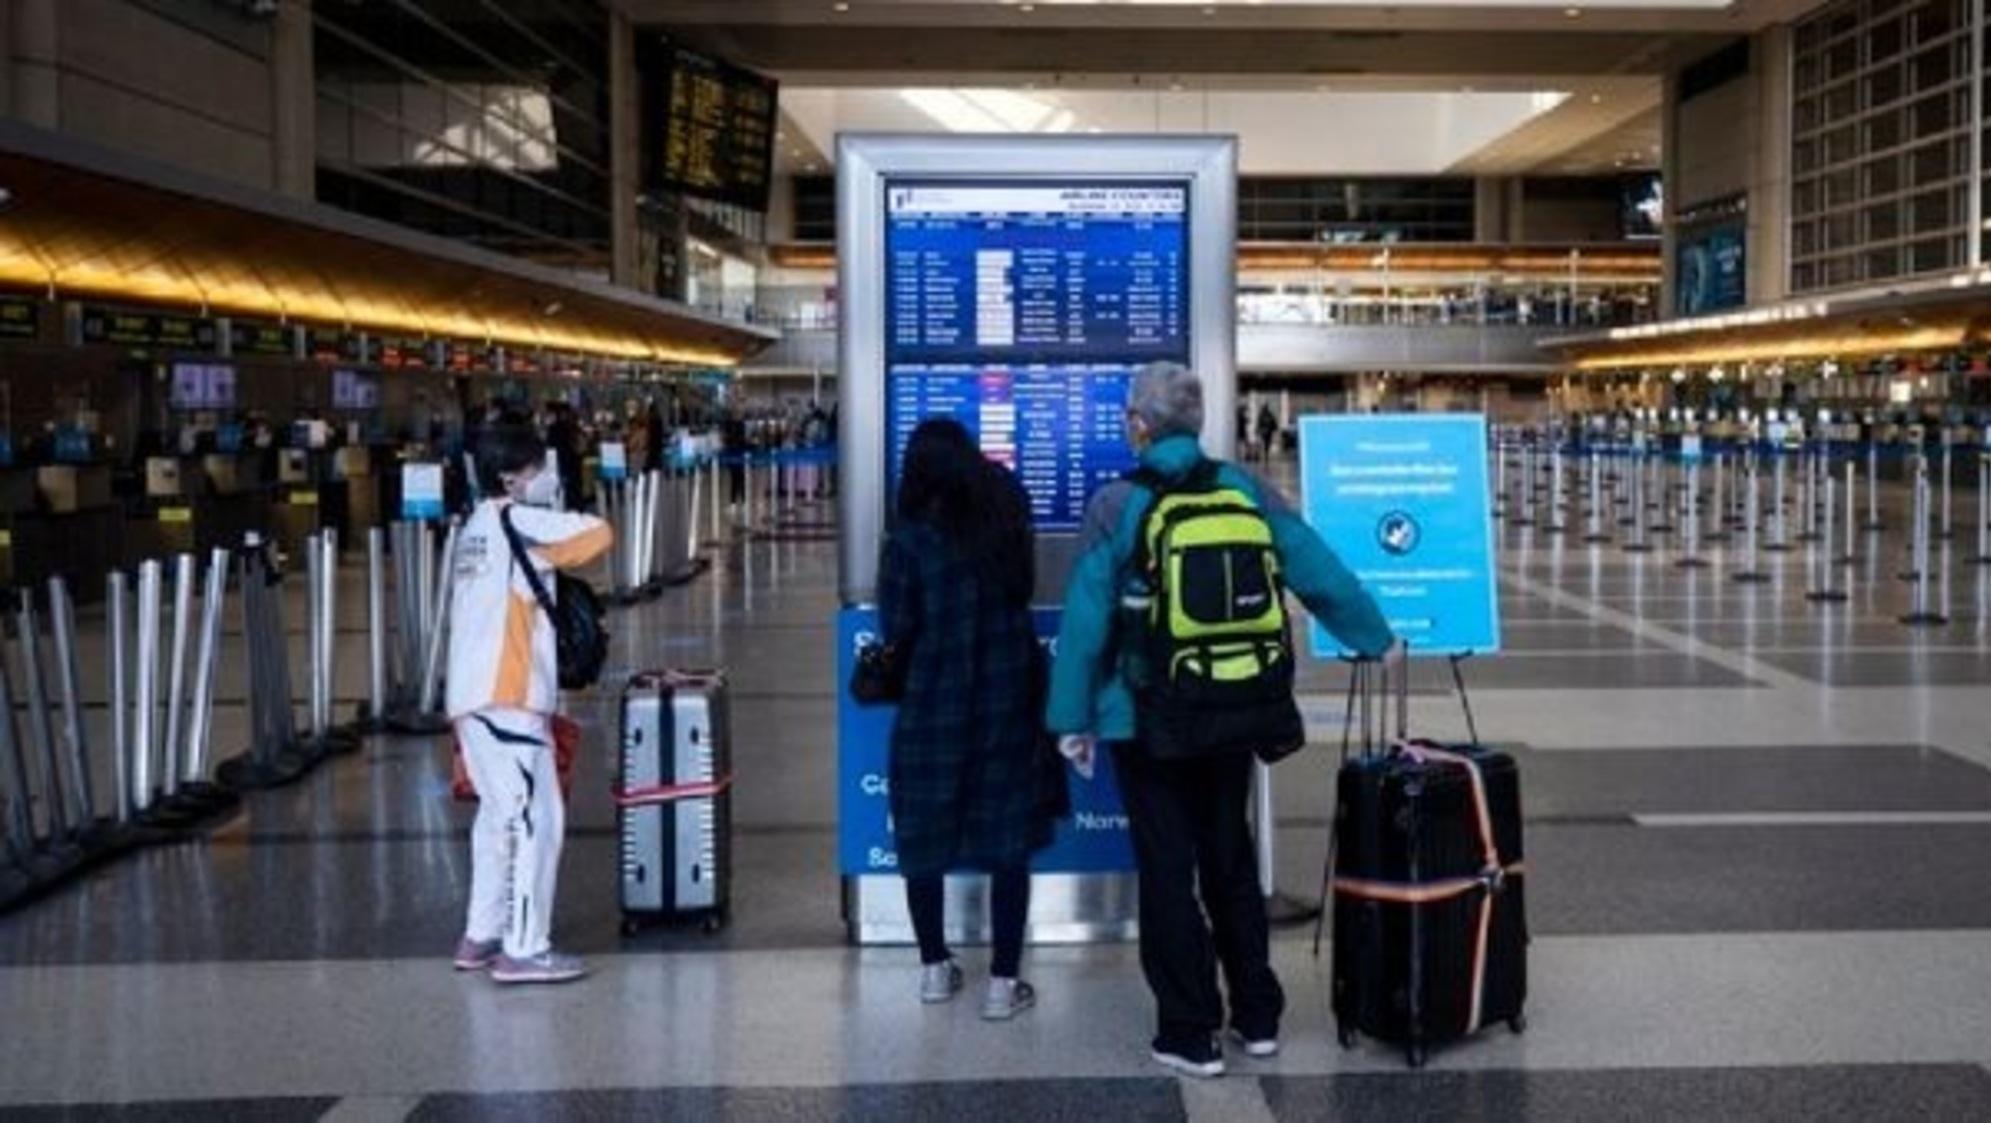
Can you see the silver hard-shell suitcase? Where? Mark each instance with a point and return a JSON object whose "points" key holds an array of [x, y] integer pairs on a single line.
{"points": [[674, 798]]}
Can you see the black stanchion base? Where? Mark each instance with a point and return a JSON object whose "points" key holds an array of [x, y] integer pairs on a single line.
{"points": [[1283, 910], [1981, 559], [1716, 536], [1555, 530], [1522, 521], [1750, 577], [1596, 538], [1636, 547], [1825, 596], [411, 724], [335, 742], [1811, 538], [1909, 577], [1925, 619], [245, 773], [1776, 547], [691, 572], [49, 869], [1691, 563], [1626, 522], [1874, 527]]}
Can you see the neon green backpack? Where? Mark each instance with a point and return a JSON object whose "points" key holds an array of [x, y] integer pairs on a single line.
{"points": [[1212, 647]]}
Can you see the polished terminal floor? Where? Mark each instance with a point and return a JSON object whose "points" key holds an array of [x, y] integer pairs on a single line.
{"points": [[1757, 835]]}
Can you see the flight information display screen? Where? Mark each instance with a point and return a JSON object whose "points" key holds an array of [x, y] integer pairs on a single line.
{"points": [[1061, 429], [1021, 310]]}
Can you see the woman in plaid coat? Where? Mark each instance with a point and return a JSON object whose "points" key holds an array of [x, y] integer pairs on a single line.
{"points": [[973, 784]]}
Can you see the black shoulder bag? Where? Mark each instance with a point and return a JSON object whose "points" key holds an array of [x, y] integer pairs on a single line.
{"points": [[580, 638]]}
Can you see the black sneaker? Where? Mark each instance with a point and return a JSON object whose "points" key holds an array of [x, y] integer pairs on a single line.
{"points": [[1202, 1059]]}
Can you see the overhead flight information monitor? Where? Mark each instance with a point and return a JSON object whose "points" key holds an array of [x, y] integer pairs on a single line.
{"points": [[1021, 310]]}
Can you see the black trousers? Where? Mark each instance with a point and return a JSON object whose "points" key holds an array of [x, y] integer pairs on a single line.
{"points": [[1201, 905], [1009, 911]]}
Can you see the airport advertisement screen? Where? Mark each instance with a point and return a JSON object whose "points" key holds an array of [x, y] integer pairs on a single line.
{"points": [[1021, 310]]}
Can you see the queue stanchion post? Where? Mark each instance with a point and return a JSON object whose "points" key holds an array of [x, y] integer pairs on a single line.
{"points": [[1690, 557], [54, 809], [1827, 591], [274, 755], [1638, 543], [1499, 477], [1555, 525], [432, 663], [1779, 516], [176, 686], [1717, 530], [1948, 514], [1983, 555], [117, 610], [145, 689], [1851, 546], [1808, 497], [197, 785], [1918, 476], [1527, 515], [81, 786], [1662, 501], [1752, 571], [20, 798], [373, 718], [332, 737], [1594, 518], [1921, 614], [1874, 522], [317, 713]]}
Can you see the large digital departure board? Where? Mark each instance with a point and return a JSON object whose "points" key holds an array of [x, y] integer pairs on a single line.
{"points": [[713, 127], [1021, 310]]}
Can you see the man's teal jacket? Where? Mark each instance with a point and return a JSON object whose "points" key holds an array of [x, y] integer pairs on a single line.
{"points": [[1087, 696]]}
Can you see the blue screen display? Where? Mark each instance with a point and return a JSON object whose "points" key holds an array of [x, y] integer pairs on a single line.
{"points": [[1061, 429], [1036, 273], [1021, 311]]}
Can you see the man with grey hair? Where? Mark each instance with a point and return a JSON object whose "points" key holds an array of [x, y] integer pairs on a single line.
{"points": [[1175, 650]]}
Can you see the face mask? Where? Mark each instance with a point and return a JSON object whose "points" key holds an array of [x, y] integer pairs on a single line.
{"points": [[542, 490]]}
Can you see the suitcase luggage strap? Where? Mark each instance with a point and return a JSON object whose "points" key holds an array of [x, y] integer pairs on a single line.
{"points": [[1493, 873], [670, 793]]}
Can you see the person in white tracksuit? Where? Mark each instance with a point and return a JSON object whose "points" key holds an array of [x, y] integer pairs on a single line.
{"points": [[503, 688]]}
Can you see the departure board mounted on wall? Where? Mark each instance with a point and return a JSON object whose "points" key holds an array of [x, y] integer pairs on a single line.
{"points": [[709, 128]]}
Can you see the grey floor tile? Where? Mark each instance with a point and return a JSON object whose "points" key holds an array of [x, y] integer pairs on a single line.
{"points": [[1826, 1094], [1053, 1101]]}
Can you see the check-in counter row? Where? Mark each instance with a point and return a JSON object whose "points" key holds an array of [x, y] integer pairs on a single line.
{"points": [[76, 520]]}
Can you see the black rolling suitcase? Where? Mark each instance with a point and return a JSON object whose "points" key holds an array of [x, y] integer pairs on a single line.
{"points": [[1430, 933], [674, 799]]}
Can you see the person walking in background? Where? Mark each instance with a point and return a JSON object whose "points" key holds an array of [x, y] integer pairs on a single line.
{"points": [[973, 784], [503, 690], [1185, 767]]}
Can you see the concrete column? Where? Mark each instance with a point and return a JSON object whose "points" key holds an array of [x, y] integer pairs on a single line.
{"points": [[1770, 168], [293, 102], [33, 38], [625, 124], [1497, 203]]}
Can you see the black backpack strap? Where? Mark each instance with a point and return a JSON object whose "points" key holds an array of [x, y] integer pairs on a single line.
{"points": [[524, 560]]}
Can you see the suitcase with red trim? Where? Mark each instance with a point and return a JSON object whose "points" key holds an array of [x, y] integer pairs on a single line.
{"points": [[673, 797], [1430, 930]]}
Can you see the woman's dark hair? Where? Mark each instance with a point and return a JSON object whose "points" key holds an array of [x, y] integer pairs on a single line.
{"points": [[504, 448], [978, 506]]}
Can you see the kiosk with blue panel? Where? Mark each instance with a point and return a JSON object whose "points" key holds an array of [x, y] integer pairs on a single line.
{"points": [[1013, 284]]}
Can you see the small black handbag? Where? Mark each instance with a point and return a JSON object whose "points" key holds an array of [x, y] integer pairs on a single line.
{"points": [[879, 678]]}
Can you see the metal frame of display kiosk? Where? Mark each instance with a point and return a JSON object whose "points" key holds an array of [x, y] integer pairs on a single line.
{"points": [[1065, 907]]}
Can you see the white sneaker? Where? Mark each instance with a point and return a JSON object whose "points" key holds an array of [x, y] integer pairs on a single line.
{"points": [[1205, 1062], [939, 982], [548, 966], [1256, 1050], [1007, 998]]}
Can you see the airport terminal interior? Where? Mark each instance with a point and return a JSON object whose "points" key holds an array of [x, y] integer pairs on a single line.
{"points": [[1633, 355]]}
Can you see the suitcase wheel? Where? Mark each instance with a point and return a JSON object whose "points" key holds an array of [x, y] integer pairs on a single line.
{"points": [[1345, 1035], [1518, 1023], [1415, 1056], [713, 922], [631, 926]]}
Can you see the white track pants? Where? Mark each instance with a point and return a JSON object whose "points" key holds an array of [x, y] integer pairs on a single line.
{"points": [[521, 821]]}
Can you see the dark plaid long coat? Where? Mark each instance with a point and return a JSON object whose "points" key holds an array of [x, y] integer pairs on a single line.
{"points": [[969, 769]]}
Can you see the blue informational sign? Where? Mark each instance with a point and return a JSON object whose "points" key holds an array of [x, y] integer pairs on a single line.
{"points": [[1062, 429], [1403, 500], [1093, 840], [421, 490]]}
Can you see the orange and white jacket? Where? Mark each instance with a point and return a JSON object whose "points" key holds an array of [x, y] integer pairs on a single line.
{"points": [[501, 649]]}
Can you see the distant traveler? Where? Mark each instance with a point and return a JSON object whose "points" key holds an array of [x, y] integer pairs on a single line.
{"points": [[974, 784], [563, 437], [1268, 432], [503, 690], [1183, 739]]}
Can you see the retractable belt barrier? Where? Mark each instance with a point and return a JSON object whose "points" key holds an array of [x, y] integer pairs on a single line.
{"points": [[55, 817], [656, 517], [783, 494]]}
